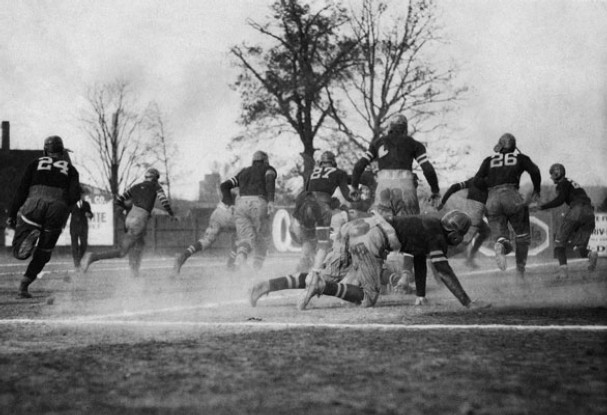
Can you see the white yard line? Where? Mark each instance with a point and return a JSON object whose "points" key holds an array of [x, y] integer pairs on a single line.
{"points": [[284, 326]]}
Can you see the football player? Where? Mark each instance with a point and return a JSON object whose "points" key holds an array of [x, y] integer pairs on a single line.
{"points": [[505, 205], [253, 207], [141, 197], [426, 237], [474, 206], [395, 152], [577, 225], [314, 207], [221, 220], [41, 206]]}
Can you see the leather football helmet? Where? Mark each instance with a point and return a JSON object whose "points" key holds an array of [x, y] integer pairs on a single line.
{"points": [[456, 224], [506, 144], [261, 156], [53, 145], [557, 172], [328, 158], [399, 124], [152, 174]]}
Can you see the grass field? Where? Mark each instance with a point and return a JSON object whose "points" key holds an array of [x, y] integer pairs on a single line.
{"points": [[107, 343]]}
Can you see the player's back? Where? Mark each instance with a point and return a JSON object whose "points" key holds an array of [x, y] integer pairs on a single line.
{"points": [[396, 151], [504, 168], [419, 234], [252, 180], [51, 172], [326, 179]]}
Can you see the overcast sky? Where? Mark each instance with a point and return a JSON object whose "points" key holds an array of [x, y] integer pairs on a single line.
{"points": [[536, 69]]}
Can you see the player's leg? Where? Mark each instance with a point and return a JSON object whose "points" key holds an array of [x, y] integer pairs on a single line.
{"points": [[28, 229], [245, 229], [75, 248], [42, 255], [287, 282], [585, 225], [522, 230]]}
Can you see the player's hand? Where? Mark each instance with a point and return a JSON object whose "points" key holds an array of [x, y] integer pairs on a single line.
{"points": [[10, 223], [440, 206], [434, 199], [271, 208], [355, 194], [535, 197]]}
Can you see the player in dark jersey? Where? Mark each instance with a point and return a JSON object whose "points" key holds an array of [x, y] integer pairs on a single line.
{"points": [[474, 206], [429, 237], [421, 236], [48, 189], [313, 207], [502, 173], [253, 207], [577, 225], [395, 153], [143, 197]]}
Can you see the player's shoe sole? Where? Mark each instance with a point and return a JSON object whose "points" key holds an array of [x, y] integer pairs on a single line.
{"points": [[500, 256], [28, 244], [258, 290], [86, 262]]}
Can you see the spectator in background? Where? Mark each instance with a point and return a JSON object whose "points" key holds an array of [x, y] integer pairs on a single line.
{"points": [[79, 228]]}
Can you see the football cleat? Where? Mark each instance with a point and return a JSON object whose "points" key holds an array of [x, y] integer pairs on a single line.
{"points": [[315, 286], [478, 305], [87, 260], [258, 290], [24, 294], [24, 249], [179, 261], [593, 257], [520, 274], [421, 301], [500, 256]]}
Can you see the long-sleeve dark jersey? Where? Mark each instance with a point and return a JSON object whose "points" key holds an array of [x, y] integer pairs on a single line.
{"points": [[423, 235], [477, 190], [507, 168], [50, 172], [326, 179], [144, 195], [256, 180], [396, 151], [568, 192]]}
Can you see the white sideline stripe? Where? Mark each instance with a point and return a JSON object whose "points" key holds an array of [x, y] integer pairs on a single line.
{"points": [[284, 326]]}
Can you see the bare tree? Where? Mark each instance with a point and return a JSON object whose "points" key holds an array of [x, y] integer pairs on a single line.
{"points": [[394, 73], [289, 79], [113, 123], [160, 147]]}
